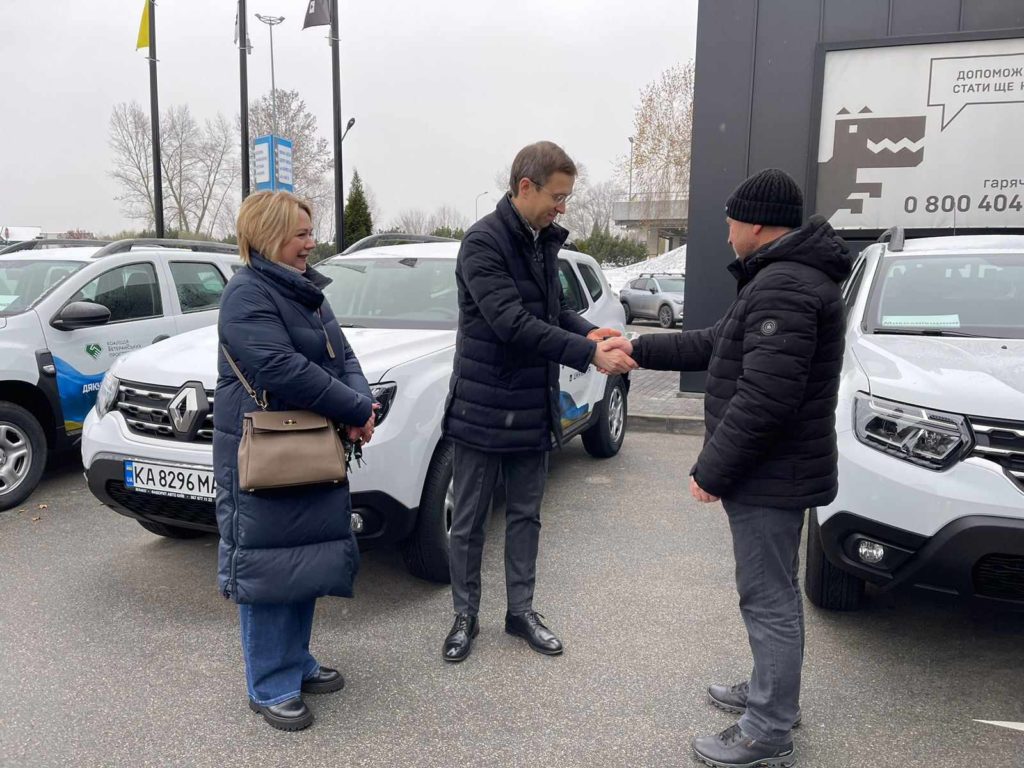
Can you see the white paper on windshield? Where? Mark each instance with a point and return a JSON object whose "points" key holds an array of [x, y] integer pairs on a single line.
{"points": [[924, 321], [6, 301]]}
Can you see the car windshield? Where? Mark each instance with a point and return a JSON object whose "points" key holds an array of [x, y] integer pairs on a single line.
{"points": [[671, 285], [24, 281], [393, 293], [956, 295]]}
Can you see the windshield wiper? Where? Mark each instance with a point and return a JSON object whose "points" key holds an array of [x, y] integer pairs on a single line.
{"points": [[929, 332]]}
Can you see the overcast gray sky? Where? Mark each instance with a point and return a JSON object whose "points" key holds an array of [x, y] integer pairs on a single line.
{"points": [[444, 93]]}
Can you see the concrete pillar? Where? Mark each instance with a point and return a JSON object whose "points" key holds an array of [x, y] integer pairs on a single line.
{"points": [[652, 241]]}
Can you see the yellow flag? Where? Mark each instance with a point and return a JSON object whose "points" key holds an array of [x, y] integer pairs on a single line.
{"points": [[144, 28]]}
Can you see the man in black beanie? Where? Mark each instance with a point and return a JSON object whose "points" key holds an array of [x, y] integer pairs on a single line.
{"points": [[773, 364]]}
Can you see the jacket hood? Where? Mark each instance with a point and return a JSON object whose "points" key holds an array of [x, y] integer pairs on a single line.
{"points": [[815, 244], [304, 287]]}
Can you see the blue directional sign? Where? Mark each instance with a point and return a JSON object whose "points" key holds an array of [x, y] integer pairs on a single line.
{"points": [[272, 160]]}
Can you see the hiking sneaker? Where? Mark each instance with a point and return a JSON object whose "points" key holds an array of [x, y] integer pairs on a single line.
{"points": [[733, 698], [734, 749]]}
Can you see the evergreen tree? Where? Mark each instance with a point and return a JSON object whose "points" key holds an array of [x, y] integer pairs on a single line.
{"points": [[358, 222]]}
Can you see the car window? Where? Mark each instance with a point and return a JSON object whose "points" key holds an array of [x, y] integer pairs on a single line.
{"points": [[24, 281], [130, 292], [571, 287], [671, 284], [199, 285], [636, 285], [593, 282]]}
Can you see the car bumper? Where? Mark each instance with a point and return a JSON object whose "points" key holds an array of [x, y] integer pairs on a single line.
{"points": [[960, 531], [107, 444]]}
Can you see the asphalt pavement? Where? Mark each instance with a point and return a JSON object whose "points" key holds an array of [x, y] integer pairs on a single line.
{"points": [[118, 651]]}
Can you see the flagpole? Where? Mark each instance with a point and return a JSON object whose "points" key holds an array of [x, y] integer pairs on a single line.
{"points": [[154, 118], [243, 54], [339, 177]]}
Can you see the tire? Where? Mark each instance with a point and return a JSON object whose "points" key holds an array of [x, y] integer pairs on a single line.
{"points": [[23, 453], [426, 551], [170, 531], [604, 439], [665, 317], [628, 311], [826, 585]]}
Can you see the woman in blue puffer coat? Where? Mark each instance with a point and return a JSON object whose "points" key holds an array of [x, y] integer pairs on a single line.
{"points": [[282, 549]]}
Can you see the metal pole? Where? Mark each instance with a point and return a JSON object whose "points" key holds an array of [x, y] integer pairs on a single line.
{"points": [[272, 21], [154, 110], [243, 70], [339, 177], [273, 81]]}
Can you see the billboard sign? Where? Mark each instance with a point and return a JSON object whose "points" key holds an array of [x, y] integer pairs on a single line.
{"points": [[926, 135]]}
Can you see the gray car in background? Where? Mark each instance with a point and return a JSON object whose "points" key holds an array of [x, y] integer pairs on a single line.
{"points": [[655, 296]]}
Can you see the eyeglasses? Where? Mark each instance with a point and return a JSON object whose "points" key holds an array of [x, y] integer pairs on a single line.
{"points": [[559, 199]]}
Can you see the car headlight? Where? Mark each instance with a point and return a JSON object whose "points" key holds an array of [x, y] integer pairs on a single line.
{"points": [[107, 395], [677, 301], [385, 395], [928, 438]]}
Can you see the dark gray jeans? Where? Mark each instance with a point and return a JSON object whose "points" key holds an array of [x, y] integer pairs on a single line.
{"points": [[766, 543], [476, 474]]}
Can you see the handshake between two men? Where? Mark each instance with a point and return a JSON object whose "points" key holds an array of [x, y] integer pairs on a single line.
{"points": [[613, 351]]}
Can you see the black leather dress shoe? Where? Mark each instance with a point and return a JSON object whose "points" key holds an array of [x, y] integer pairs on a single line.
{"points": [[529, 626], [326, 681], [459, 642], [291, 715]]}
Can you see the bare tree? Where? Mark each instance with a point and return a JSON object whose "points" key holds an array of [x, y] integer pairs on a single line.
{"points": [[411, 221], [663, 127], [446, 217], [132, 144]]}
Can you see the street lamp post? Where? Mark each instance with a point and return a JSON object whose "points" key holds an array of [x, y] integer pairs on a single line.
{"points": [[272, 21], [631, 168], [476, 206], [348, 127]]}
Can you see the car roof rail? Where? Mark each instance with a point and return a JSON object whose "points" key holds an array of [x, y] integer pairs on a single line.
{"points": [[661, 274], [50, 242], [893, 237], [394, 238], [196, 246]]}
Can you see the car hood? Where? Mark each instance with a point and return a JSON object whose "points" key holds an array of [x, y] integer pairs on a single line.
{"points": [[192, 356], [672, 295], [977, 377]]}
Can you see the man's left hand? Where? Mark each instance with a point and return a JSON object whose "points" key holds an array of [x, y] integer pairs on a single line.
{"points": [[699, 493], [600, 334]]}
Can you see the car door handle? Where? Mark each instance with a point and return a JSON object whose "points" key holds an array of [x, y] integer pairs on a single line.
{"points": [[161, 337]]}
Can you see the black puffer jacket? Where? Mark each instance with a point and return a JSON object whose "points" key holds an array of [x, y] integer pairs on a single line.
{"points": [[514, 330], [773, 367]]}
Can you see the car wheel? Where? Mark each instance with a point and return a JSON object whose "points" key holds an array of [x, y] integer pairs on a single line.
{"points": [[665, 317], [628, 312], [827, 586], [426, 551], [171, 531], [22, 454], [604, 439]]}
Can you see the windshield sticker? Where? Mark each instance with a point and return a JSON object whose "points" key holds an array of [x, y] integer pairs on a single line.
{"points": [[925, 321]]}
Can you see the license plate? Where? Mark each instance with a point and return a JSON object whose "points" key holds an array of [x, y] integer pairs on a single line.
{"points": [[169, 480]]}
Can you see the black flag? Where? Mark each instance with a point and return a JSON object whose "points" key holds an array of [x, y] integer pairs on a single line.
{"points": [[318, 14]]}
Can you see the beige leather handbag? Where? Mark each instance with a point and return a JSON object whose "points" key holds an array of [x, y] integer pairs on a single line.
{"points": [[280, 449]]}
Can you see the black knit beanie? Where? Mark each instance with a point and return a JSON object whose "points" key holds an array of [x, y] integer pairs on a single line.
{"points": [[770, 197]]}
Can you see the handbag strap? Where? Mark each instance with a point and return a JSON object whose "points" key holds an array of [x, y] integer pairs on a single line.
{"points": [[245, 382]]}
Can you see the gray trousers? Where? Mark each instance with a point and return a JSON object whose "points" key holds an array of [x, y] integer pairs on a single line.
{"points": [[766, 543], [476, 474]]}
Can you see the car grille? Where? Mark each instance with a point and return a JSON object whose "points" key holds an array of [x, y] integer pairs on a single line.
{"points": [[1003, 443], [150, 505], [144, 407], [1000, 576]]}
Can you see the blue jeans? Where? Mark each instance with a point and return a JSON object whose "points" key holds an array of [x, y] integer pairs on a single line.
{"points": [[275, 644], [766, 543]]}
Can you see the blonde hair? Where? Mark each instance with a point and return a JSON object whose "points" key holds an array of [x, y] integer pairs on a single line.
{"points": [[268, 220]]}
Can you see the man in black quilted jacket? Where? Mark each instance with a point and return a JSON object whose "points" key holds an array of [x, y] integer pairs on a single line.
{"points": [[773, 364]]}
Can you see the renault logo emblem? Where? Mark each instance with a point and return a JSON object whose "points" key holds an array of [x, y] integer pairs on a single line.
{"points": [[187, 409]]}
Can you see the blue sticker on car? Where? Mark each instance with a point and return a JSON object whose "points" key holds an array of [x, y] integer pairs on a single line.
{"points": [[77, 393]]}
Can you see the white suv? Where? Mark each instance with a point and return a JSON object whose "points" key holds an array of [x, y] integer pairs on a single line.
{"points": [[68, 309], [147, 444], [931, 425]]}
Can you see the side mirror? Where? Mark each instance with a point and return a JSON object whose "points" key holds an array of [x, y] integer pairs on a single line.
{"points": [[81, 314], [653, 290]]}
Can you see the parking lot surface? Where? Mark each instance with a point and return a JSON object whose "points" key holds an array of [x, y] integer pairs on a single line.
{"points": [[118, 651]]}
